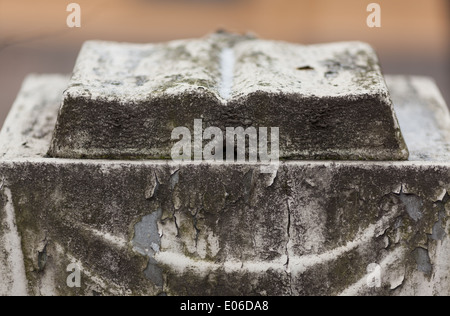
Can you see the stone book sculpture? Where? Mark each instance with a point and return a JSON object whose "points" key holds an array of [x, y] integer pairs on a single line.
{"points": [[330, 101], [93, 204]]}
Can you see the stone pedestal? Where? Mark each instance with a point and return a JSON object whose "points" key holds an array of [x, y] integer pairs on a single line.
{"points": [[154, 227]]}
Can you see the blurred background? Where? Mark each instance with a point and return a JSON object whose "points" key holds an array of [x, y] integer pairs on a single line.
{"points": [[34, 37]]}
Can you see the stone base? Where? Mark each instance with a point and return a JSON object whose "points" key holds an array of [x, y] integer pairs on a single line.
{"points": [[155, 227]]}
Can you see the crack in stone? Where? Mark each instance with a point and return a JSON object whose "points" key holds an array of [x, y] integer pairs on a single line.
{"points": [[176, 224], [288, 232], [287, 249], [173, 182], [288, 235], [197, 231], [42, 257]]}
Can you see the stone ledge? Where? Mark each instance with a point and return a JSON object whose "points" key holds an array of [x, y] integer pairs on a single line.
{"points": [[422, 113], [310, 229]]}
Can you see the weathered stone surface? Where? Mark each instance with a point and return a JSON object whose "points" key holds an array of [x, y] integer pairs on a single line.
{"points": [[330, 101], [155, 227], [424, 118]]}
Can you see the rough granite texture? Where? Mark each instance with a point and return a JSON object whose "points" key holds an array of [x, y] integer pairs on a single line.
{"points": [[156, 227], [330, 101]]}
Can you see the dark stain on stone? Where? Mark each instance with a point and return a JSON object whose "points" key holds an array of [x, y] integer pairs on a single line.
{"points": [[423, 261], [413, 205], [305, 68], [154, 273], [42, 259], [147, 242]]}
